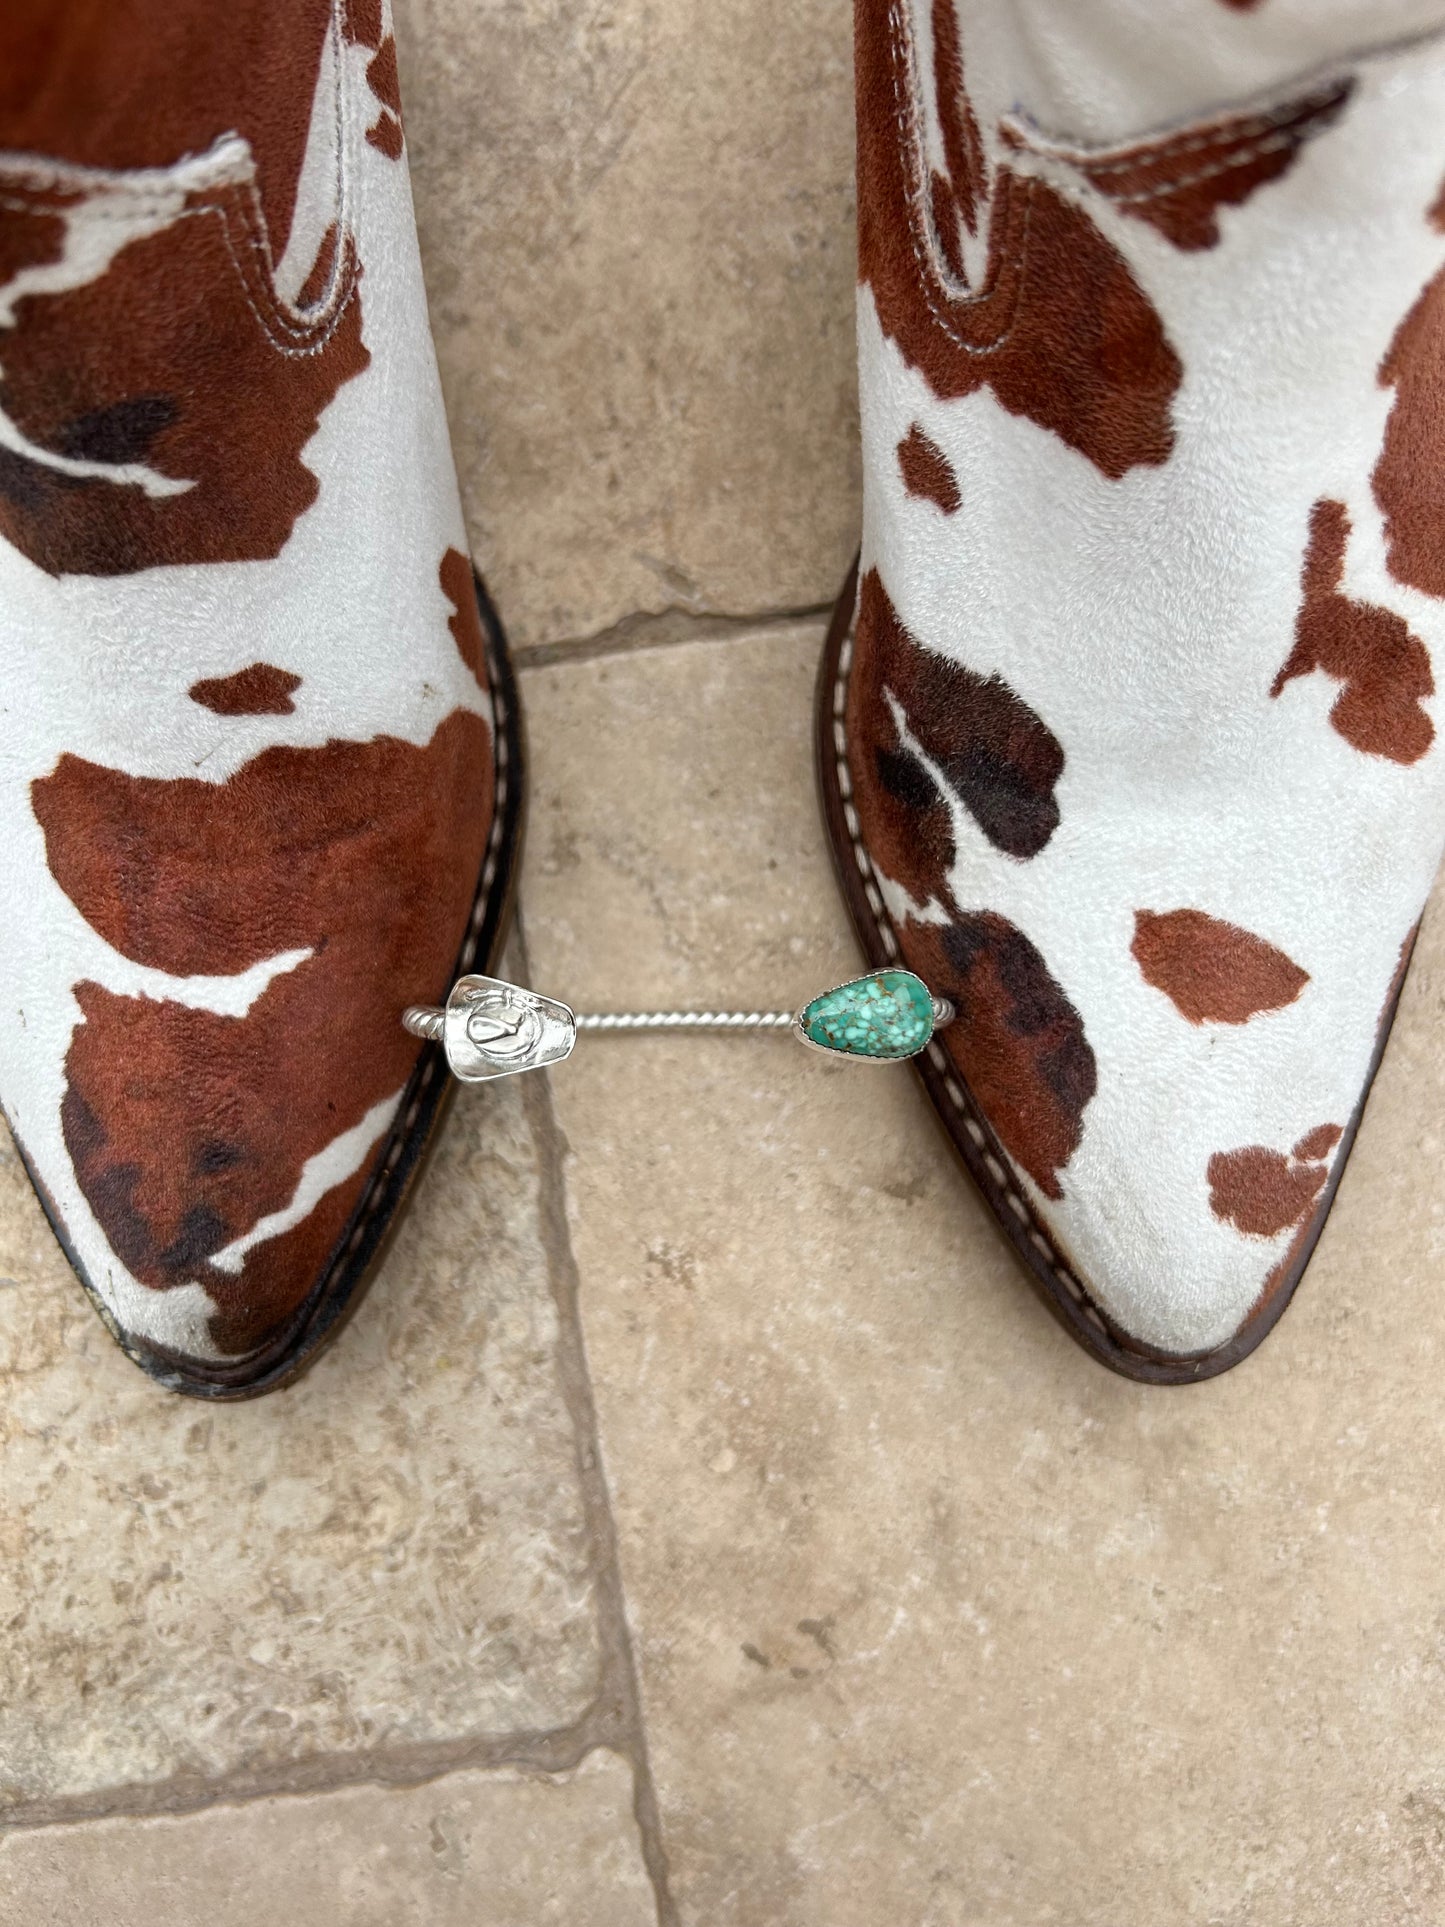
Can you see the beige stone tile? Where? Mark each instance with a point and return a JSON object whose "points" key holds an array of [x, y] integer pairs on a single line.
{"points": [[388, 1554], [470, 1850], [637, 228], [937, 1622]]}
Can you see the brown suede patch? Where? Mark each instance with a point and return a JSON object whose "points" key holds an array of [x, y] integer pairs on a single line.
{"points": [[1213, 972], [465, 623], [1018, 1041], [964, 187], [187, 1127], [261, 690], [993, 752], [1409, 478], [1385, 669], [1178, 183], [178, 356], [133, 83], [381, 76], [1060, 330], [926, 471], [32, 240], [163, 360], [1263, 1192]]}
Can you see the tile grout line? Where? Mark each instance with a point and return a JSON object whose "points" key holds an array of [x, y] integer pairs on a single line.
{"points": [[613, 1718], [618, 1707], [663, 629], [551, 1750]]}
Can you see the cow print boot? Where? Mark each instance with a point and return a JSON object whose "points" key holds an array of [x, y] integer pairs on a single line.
{"points": [[1127, 727], [258, 773]]}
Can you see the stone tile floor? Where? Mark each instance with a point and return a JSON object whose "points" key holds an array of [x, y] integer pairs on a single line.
{"points": [[700, 1523]]}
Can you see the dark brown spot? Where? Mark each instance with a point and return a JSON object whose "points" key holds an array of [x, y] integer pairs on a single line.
{"points": [[317, 284], [1213, 971], [943, 206], [991, 750], [261, 690], [1384, 667], [381, 77], [1018, 1041], [122, 431], [386, 136]]}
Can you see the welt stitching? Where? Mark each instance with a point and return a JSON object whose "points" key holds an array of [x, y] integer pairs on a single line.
{"points": [[958, 1095], [931, 275], [373, 1196]]}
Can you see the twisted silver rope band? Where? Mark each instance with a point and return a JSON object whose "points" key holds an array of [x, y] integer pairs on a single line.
{"points": [[430, 1023], [686, 1020], [424, 1022]]}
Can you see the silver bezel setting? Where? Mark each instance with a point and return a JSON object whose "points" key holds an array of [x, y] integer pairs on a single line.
{"points": [[943, 1013]]}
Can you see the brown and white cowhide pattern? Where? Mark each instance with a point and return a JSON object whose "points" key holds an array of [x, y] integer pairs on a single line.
{"points": [[1140, 717], [248, 776]]}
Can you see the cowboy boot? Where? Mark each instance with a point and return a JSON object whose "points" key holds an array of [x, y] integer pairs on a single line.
{"points": [[259, 779], [1127, 735]]}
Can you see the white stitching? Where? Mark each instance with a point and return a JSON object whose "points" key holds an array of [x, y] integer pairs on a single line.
{"points": [[935, 274], [297, 333], [372, 1197], [312, 326], [1299, 119], [501, 788], [1227, 165], [957, 1095]]}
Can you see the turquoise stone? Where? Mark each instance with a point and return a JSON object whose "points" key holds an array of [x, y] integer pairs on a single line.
{"points": [[889, 1014]]}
